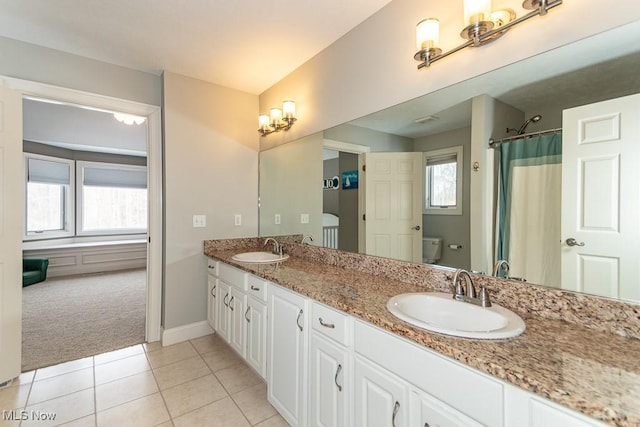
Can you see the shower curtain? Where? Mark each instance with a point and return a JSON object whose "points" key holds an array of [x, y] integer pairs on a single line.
{"points": [[529, 210]]}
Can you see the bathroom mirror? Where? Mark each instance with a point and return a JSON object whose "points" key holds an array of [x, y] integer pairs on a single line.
{"points": [[588, 71]]}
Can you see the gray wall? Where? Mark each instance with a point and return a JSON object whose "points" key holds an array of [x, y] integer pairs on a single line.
{"points": [[452, 229], [348, 229], [330, 200], [377, 141]]}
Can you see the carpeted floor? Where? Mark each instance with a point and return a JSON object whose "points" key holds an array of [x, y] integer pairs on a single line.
{"points": [[68, 318]]}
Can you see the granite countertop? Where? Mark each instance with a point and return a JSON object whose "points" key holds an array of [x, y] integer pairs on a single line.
{"points": [[590, 371]]}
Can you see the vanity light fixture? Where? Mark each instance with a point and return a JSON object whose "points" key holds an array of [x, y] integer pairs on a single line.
{"points": [[277, 119], [129, 119], [482, 26]]}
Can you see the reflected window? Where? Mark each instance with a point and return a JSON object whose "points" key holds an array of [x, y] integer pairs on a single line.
{"points": [[443, 181]]}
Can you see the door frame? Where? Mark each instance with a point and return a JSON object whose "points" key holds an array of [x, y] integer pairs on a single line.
{"points": [[154, 177]]}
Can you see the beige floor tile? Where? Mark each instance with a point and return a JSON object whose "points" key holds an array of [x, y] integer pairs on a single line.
{"points": [[88, 421], [124, 390], [11, 423], [254, 404], [193, 395], [14, 397], [165, 424], [238, 377], [63, 368], [118, 354], [181, 372], [276, 421], [60, 385], [66, 408], [152, 346], [171, 354], [221, 358], [146, 411], [223, 413], [23, 378], [121, 368], [208, 343]]}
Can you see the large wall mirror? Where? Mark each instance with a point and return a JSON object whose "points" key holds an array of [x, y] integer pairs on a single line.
{"points": [[316, 186]]}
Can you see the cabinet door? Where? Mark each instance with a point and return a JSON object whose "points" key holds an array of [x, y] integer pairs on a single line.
{"points": [[287, 343], [222, 299], [255, 316], [211, 301], [427, 411], [329, 385], [237, 324], [381, 398]]}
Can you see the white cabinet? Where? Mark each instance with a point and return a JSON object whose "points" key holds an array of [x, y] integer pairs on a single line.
{"points": [[381, 398], [223, 295], [212, 282], [287, 354], [428, 411], [255, 316], [237, 322]]}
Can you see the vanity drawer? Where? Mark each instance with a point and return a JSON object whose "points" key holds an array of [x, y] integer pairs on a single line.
{"points": [[330, 323], [257, 287], [212, 267], [233, 276]]}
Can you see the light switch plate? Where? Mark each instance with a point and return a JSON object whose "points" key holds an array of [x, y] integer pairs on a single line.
{"points": [[304, 218], [199, 221], [237, 219], [277, 220]]}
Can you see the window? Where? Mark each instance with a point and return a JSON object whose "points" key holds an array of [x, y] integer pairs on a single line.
{"points": [[443, 181], [112, 198], [49, 199]]}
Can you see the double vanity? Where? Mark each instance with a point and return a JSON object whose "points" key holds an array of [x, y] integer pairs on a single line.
{"points": [[324, 329]]}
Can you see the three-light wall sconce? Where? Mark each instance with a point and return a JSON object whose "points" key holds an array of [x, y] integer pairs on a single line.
{"points": [[277, 119], [482, 26]]}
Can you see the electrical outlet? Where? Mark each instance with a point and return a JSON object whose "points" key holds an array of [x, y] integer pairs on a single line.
{"points": [[238, 219], [277, 219], [304, 218], [199, 221]]}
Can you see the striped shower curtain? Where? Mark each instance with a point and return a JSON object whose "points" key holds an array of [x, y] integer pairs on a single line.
{"points": [[530, 183]]}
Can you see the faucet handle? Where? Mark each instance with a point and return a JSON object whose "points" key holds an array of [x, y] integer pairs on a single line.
{"points": [[483, 296]]}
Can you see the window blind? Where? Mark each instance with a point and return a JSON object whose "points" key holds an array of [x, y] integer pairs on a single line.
{"points": [[48, 172], [110, 177]]}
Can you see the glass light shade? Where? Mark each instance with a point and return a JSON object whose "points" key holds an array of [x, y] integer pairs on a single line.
{"points": [[129, 119], [263, 122], [276, 115], [476, 11], [427, 33], [289, 109]]}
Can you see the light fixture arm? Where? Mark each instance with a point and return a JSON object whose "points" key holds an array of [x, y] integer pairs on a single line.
{"points": [[477, 38]]}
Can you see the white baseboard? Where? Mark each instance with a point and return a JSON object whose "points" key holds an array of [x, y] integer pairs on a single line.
{"points": [[186, 332]]}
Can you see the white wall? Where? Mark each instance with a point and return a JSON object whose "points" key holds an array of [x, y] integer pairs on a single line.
{"points": [[211, 168], [372, 67]]}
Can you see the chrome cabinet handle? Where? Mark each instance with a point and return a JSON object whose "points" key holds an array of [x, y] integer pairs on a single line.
{"points": [[213, 293], [298, 320], [417, 228], [396, 408], [245, 315], [335, 378], [253, 288], [573, 242], [230, 301], [224, 301], [426, 424], [326, 325]]}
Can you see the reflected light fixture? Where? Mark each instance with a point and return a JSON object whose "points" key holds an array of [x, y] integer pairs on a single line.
{"points": [[277, 119], [129, 119], [482, 26]]}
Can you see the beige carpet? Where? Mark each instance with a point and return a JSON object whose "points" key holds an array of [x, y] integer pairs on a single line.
{"points": [[68, 318]]}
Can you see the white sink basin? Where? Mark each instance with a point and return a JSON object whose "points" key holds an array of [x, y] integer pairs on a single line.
{"points": [[439, 312], [259, 257]]}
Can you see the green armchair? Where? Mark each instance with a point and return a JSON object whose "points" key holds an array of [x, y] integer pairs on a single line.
{"points": [[34, 270]]}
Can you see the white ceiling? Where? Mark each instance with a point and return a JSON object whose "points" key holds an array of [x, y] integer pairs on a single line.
{"points": [[247, 45]]}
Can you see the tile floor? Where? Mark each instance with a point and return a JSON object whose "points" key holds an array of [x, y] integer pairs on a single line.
{"points": [[201, 382]]}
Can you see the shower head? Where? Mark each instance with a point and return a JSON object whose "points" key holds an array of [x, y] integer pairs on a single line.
{"points": [[522, 128]]}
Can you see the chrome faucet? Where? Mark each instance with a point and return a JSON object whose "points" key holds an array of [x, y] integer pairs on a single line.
{"points": [[501, 265], [305, 238], [277, 247], [464, 290]]}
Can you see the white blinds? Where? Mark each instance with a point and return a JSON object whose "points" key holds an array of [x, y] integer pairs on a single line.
{"points": [[49, 172], [112, 177]]}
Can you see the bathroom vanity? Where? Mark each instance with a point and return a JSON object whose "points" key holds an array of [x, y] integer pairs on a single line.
{"points": [[317, 329]]}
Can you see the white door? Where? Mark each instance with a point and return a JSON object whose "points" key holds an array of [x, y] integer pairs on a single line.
{"points": [[11, 223], [211, 300], [393, 205], [329, 384], [601, 198], [237, 324], [256, 317], [223, 294]]}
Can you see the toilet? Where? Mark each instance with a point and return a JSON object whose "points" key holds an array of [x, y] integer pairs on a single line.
{"points": [[431, 250]]}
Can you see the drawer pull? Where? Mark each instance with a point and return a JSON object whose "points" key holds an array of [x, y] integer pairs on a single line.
{"points": [[245, 315], [230, 301], [326, 325], [213, 291], [335, 378], [253, 288], [298, 320], [396, 408], [224, 301]]}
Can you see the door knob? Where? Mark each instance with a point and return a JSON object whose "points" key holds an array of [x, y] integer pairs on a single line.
{"points": [[417, 228], [573, 242]]}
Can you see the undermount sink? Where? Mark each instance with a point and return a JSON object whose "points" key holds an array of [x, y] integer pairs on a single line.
{"points": [[259, 257], [439, 312]]}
